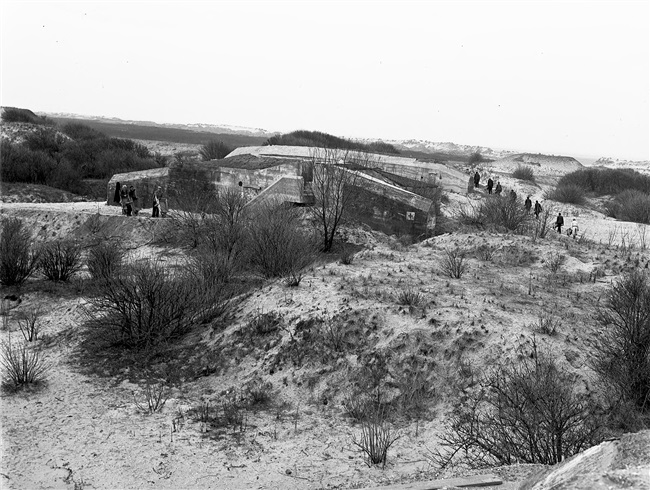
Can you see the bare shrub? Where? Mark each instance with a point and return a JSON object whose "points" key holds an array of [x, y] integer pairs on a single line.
{"points": [[18, 260], [409, 297], [375, 440], [29, 324], [485, 252], [547, 324], [523, 172], [265, 323], [258, 392], [279, 246], [453, 263], [153, 397], [567, 193], [333, 334], [554, 261], [22, 364], [505, 212], [233, 411], [104, 260], [622, 348], [542, 225], [358, 406], [527, 413], [146, 304], [60, 260]]}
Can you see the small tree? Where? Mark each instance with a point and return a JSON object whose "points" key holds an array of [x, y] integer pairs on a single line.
{"points": [[60, 260], [623, 345], [528, 413], [214, 150], [334, 189], [17, 259]]}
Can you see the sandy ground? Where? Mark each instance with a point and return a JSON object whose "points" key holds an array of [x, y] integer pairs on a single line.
{"points": [[85, 431]]}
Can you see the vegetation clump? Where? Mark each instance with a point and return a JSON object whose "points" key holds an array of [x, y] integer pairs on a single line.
{"points": [[524, 172], [18, 259], [324, 140]]}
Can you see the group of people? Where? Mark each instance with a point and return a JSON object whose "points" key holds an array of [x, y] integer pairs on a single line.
{"points": [[573, 229], [528, 204], [127, 197]]}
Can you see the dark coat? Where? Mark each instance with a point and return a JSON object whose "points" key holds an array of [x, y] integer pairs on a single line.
{"points": [[116, 197]]}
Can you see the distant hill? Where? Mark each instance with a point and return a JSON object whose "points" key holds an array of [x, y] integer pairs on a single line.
{"points": [[642, 166], [445, 151], [145, 130]]}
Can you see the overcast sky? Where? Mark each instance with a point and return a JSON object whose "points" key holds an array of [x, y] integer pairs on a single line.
{"points": [[555, 77]]}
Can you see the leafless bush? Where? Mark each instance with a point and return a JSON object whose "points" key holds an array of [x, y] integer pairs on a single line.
{"points": [[485, 252], [622, 347], [146, 304], [60, 260], [547, 324], [333, 333], [358, 406], [104, 260], [453, 263], [258, 392], [542, 225], [347, 257], [265, 323], [233, 411], [22, 364], [554, 261], [29, 324], [18, 260], [527, 413], [278, 246], [375, 440], [153, 397]]}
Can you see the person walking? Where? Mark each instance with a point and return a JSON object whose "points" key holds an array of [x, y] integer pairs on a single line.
{"points": [[477, 179], [124, 198], [490, 185], [155, 212], [559, 222], [538, 209], [498, 189], [134, 200], [528, 204], [574, 228], [513, 195]]}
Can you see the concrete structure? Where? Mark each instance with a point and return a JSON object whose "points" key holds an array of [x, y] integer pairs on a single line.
{"points": [[394, 194]]}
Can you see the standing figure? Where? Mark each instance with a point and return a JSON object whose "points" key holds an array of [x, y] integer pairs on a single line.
{"points": [[559, 222], [155, 213], [134, 200], [477, 179], [538, 209], [490, 185], [513, 195], [498, 189], [116, 196], [574, 228], [124, 197], [528, 204]]}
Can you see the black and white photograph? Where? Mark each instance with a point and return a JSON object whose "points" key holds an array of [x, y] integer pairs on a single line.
{"points": [[309, 244]]}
